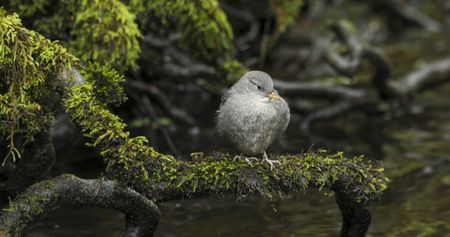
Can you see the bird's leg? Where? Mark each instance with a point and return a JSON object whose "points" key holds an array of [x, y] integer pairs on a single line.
{"points": [[247, 159], [271, 162]]}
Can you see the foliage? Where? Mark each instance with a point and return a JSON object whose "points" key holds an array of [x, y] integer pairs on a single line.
{"points": [[204, 27], [110, 39], [27, 63], [28, 8], [106, 82], [286, 11], [113, 38]]}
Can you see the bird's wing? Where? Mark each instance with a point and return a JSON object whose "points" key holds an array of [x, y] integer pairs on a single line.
{"points": [[287, 116], [225, 97]]}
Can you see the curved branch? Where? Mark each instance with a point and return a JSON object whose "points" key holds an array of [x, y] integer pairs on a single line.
{"points": [[328, 112], [425, 77], [359, 53], [408, 13], [252, 32], [303, 89], [356, 217], [162, 99], [141, 214]]}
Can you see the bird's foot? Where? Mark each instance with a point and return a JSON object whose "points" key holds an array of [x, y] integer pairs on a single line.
{"points": [[269, 161], [246, 159]]}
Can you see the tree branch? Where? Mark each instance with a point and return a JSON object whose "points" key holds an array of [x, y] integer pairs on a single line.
{"points": [[425, 77], [141, 214], [37, 159]]}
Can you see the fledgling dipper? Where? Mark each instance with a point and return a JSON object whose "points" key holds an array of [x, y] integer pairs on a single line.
{"points": [[252, 114]]}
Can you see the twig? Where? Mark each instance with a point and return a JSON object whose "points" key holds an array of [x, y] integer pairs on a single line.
{"points": [[427, 76], [409, 13]]}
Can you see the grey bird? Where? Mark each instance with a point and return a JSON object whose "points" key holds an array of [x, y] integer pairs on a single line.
{"points": [[252, 115]]}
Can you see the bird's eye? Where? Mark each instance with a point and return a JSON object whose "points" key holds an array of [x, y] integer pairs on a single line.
{"points": [[259, 87]]}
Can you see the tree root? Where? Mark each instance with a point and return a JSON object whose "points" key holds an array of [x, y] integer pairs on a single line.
{"points": [[141, 214]]}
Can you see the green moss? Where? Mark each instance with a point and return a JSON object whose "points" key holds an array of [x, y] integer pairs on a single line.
{"points": [[106, 82], [203, 26], [29, 206], [30, 7], [28, 61], [104, 31], [286, 11], [101, 31], [134, 162], [234, 71]]}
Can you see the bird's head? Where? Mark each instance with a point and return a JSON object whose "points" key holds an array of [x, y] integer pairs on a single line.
{"points": [[256, 83]]}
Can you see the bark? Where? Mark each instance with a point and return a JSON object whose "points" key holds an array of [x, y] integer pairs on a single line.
{"points": [[141, 214]]}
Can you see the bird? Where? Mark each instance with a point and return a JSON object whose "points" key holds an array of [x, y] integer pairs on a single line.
{"points": [[252, 115]]}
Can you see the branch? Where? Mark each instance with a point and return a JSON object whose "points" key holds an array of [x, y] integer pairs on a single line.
{"points": [[331, 111], [161, 98], [141, 214], [304, 89], [359, 53], [37, 159], [409, 14], [252, 33], [430, 75]]}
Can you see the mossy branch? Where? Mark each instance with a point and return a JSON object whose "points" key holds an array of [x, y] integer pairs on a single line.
{"points": [[28, 63], [102, 31], [141, 215], [356, 182], [132, 161]]}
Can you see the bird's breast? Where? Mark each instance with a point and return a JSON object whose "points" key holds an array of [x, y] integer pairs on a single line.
{"points": [[251, 122]]}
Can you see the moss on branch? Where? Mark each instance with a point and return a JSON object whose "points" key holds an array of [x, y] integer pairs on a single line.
{"points": [[102, 31], [161, 176], [28, 62], [31, 67]]}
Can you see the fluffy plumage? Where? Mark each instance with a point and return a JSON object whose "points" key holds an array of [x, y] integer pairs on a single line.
{"points": [[252, 114]]}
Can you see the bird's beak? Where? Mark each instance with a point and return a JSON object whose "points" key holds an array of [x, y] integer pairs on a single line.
{"points": [[273, 96]]}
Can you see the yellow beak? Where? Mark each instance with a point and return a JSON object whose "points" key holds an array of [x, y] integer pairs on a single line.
{"points": [[273, 96]]}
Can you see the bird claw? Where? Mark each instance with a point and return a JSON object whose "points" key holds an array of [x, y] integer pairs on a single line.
{"points": [[269, 161], [248, 160]]}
